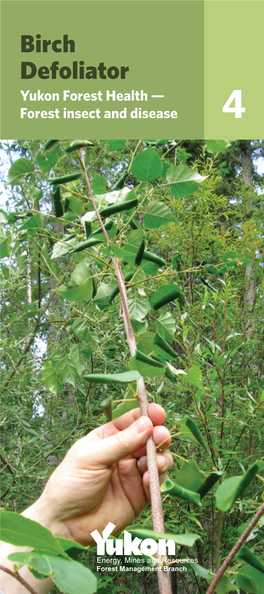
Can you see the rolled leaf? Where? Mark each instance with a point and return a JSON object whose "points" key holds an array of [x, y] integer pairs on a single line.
{"points": [[115, 208], [77, 145], [194, 430], [164, 295], [83, 245], [120, 182], [162, 343], [64, 179], [172, 488], [187, 540], [112, 378], [49, 144], [246, 554]]}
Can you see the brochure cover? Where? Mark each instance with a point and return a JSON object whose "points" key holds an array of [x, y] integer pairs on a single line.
{"points": [[132, 164]]}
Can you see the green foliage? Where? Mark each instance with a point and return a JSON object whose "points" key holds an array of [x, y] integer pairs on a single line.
{"points": [[178, 491], [112, 378], [233, 487], [180, 539], [24, 532], [190, 241], [70, 576], [18, 170], [147, 166]]}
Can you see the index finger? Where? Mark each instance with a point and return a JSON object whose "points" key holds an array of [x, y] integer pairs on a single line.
{"points": [[155, 411]]}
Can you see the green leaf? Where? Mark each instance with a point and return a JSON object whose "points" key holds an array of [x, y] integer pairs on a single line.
{"points": [[164, 295], [246, 554], [65, 368], [129, 403], [173, 488], [184, 181], [139, 327], [22, 532], [157, 214], [52, 379], [69, 576], [171, 372], [100, 184], [106, 407], [66, 544], [232, 488], [116, 144], [146, 366], [103, 294], [194, 376], [61, 248], [160, 342], [76, 204], [216, 146], [147, 345], [43, 163], [34, 222], [3, 216], [147, 165], [190, 476], [250, 580], [112, 378], [5, 243], [86, 351], [166, 325], [224, 585], [80, 287], [194, 430], [80, 329], [181, 539], [17, 171], [138, 307], [123, 254], [193, 479]]}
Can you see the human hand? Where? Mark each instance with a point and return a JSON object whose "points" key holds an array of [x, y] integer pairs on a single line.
{"points": [[104, 477]]}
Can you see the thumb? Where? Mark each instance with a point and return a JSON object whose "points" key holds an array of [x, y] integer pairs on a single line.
{"points": [[122, 444]]}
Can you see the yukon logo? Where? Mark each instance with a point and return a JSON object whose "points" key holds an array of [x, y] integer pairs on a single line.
{"points": [[130, 546]]}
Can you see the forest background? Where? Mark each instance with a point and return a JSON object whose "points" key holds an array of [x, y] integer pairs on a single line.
{"points": [[195, 233]]}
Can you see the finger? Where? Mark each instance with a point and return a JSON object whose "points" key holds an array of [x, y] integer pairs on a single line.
{"points": [[162, 440], [105, 452], [164, 463], [161, 436], [155, 411], [163, 477]]}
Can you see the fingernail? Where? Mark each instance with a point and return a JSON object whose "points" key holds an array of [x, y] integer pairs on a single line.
{"points": [[140, 425]]}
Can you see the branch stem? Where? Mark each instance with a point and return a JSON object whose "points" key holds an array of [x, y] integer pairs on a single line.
{"points": [[235, 550], [156, 502], [19, 578]]}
